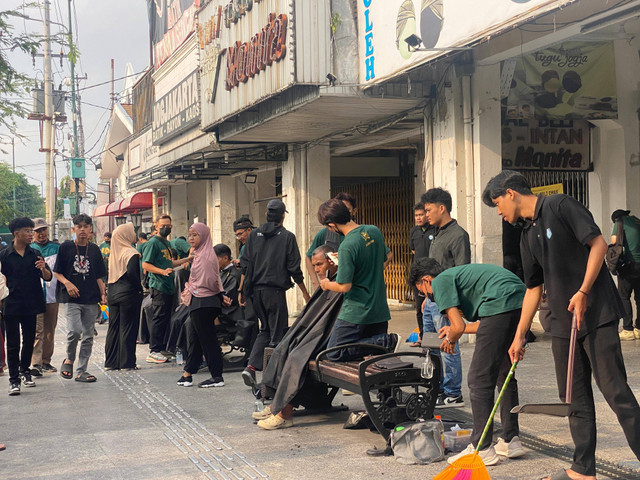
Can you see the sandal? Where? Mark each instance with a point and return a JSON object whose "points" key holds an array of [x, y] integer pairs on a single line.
{"points": [[558, 476], [85, 377], [66, 370]]}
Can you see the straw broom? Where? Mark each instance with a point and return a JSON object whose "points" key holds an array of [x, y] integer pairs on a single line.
{"points": [[471, 467]]}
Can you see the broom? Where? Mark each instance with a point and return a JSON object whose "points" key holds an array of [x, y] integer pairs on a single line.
{"points": [[471, 467]]}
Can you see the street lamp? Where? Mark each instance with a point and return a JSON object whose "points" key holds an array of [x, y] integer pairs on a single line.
{"points": [[136, 219], [120, 220]]}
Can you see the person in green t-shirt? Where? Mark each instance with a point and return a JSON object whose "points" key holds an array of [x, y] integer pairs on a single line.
{"points": [[105, 250], [629, 273], [157, 260], [364, 316], [491, 298], [181, 246]]}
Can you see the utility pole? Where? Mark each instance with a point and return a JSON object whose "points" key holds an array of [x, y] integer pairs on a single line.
{"points": [[13, 154], [72, 62], [48, 120], [112, 104]]}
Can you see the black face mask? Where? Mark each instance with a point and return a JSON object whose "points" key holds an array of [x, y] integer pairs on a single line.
{"points": [[165, 231]]}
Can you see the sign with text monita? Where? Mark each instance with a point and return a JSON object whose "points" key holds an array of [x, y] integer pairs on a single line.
{"points": [[545, 144], [170, 22], [177, 111], [384, 25]]}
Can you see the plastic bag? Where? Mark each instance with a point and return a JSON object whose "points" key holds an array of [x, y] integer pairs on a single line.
{"points": [[418, 442]]}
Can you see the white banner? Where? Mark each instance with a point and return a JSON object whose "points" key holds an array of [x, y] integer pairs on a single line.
{"points": [[383, 26]]}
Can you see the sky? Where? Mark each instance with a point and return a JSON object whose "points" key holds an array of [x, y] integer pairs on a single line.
{"points": [[103, 29]]}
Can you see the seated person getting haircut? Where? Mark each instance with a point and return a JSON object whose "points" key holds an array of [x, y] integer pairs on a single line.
{"points": [[308, 336], [365, 316]]}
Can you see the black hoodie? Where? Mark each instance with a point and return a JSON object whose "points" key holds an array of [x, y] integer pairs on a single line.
{"points": [[271, 257]]}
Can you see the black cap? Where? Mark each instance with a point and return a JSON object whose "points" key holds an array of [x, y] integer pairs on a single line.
{"points": [[242, 222], [619, 213], [276, 206]]}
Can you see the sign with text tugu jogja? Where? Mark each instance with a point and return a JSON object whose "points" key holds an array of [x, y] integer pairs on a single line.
{"points": [[177, 111]]}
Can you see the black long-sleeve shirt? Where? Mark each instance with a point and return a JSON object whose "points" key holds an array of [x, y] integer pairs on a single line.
{"points": [[129, 284]]}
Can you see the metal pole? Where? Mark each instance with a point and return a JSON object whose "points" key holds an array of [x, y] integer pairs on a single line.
{"points": [[48, 119], [113, 96], [13, 153], [72, 63]]}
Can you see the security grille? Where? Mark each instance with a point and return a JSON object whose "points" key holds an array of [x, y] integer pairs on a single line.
{"points": [[576, 184]]}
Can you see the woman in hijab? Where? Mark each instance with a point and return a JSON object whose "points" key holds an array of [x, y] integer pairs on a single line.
{"points": [[204, 295], [124, 300]]}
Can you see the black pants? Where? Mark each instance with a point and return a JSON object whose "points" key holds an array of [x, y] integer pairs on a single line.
{"points": [[418, 298], [270, 305], [202, 322], [489, 368], [628, 283], [161, 303], [120, 344], [19, 361], [346, 332], [597, 353]]}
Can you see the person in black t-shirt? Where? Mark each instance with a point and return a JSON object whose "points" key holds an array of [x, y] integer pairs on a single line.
{"points": [[79, 270], [23, 268], [563, 247]]}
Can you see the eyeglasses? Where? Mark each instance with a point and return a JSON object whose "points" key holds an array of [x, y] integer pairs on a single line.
{"points": [[26, 231], [238, 235]]}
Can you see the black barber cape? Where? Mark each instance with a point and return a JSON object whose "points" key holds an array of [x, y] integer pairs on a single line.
{"points": [[308, 336]]}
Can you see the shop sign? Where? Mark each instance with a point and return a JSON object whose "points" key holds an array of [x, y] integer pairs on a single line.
{"points": [[545, 145], [171, 22], [177, 111], [209, 28], [548, 190], [383, 26], [572, 80], [142, 102]]}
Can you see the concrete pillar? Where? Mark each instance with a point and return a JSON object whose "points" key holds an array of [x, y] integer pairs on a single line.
{"points": [[487, 152], [178, 210], [222, 206]]}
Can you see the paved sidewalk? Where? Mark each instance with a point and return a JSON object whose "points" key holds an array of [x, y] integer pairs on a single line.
{"points": [[140, 425]]}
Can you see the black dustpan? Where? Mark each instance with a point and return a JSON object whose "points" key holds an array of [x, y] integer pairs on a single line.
{"points": [[556, 409]]}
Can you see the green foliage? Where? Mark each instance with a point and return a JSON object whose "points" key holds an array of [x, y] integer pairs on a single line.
{"points": [[63, 192], [12, 82], [29, 203]]}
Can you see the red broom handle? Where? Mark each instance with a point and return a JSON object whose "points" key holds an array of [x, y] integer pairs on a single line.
{"points": [[572, 355]]}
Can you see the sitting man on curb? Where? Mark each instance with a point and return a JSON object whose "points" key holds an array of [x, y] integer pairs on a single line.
{"points": [[365, 315], [308, 336], [491, 298]]}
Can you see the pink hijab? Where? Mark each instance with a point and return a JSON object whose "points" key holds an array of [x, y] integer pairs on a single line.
{"points": [[204, 280]]}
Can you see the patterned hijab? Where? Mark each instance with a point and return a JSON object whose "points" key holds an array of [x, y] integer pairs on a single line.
{"points": [[204, 280]]}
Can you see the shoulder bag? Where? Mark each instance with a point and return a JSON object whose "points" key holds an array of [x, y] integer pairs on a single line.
{"points": [[614, 256]]}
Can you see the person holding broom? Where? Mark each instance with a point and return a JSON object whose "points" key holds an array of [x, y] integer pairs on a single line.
{"points": [[490, 297], [563, 247]]}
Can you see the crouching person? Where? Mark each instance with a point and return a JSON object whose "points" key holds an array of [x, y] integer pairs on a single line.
{"points": [[491, 298]]}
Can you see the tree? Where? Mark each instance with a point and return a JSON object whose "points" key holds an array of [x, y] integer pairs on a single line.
{"points": [[13, 84], [63, 192], [28, 202]]}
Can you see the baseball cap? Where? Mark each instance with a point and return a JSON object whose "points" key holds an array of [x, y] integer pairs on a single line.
{"points": [[40, 223], [619, 213], [276, 206], [242, 222]]}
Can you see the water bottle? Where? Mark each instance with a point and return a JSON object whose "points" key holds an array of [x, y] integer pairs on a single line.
{"points": [[179, 357], [258, 406], [439, 420], [426, 371]]}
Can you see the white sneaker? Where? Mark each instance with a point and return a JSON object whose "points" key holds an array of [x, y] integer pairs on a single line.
{"points": [[627, 335], [488, 455], [156, 357], [513, 449]]}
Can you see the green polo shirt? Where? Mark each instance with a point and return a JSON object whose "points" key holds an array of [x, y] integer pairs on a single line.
{"points": [[631, 227], [478, 290], [181, 246], [361, 258], [319, 240], [158, 253]]}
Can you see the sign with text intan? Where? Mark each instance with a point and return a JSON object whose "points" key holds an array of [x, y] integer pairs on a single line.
{"points": [[384, 26], [178, 110]]}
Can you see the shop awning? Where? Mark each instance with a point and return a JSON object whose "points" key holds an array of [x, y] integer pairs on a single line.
{"points": [[136, 202], [100, 210]]}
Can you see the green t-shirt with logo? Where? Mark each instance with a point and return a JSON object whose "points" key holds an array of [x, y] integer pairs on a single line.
{"points": [[361, 258], [631, 227], [157, 252], [479, 290]]}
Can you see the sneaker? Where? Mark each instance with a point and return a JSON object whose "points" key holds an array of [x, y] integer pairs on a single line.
{"points": [[513, 449], [48, 368], [36, 371], [627, 335], [156, 357], [14, 388], [636, 333], [168, 355], [394, 345], [488, 455], [274, 422], [249, 376], [185, 381], [27, 381], [445, 401], [212, 382], [263, 414]]}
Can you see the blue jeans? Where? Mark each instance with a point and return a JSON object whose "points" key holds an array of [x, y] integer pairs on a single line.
{"points": [[346, 332], [433, 321]]}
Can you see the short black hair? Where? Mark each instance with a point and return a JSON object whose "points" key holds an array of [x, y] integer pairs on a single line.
{"points": [[333, 211], [437, 196], [498, 185], [243, 222], [82, 218], [274, 217], [222, 250], [323, 250], [107, 234], [347, 197], [423, 267], [20, 222], [418, 206], [143, 236], [164, 216]]}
